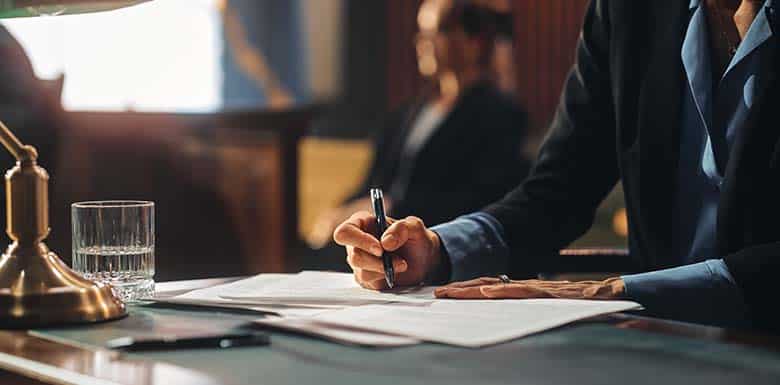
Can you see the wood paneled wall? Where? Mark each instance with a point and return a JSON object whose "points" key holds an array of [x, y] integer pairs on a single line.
{"points": [[403, 79], [546, 33]]}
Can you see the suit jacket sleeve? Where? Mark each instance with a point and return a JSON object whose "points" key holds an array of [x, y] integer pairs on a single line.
{"points": [[577, 165], [755, 271]]}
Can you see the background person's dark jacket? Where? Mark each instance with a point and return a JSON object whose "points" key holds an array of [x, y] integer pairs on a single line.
{"points": [[474, 157], [619, 119], [29, 106]]}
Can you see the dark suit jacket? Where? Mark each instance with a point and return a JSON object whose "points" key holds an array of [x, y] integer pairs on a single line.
{"points": [[619, 119], [27, 107], [473, 158]]}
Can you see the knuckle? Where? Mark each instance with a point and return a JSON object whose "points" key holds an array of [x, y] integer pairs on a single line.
{"points": [[358, 260], [338, 234], [360, 218], [359, 280], [415, 222]]}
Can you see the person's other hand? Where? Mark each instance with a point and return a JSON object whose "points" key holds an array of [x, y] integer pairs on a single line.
{"points": [[415, 249], [494, 288]]}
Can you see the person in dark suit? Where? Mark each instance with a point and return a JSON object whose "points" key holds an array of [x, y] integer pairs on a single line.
{"points": [[458, 147], [29, 106], [679, 101]]}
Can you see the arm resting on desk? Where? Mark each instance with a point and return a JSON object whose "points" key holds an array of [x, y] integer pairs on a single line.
{"points": [[704, 292]]}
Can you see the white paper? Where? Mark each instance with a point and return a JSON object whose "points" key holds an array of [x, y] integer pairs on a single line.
{"points": [[471, 323], [340, 334], [333, 306], [210, 296], [314, 288]]}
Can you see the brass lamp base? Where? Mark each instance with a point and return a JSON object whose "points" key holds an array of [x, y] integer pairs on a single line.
{"points": [[37, 289]]}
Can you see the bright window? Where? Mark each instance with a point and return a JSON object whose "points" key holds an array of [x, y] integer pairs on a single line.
{"points": [[158, 56]]}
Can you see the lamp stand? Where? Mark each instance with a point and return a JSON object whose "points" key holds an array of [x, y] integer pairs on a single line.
{"points": [[36, 288]]}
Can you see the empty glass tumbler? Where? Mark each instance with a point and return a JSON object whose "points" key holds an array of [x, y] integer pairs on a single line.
{"points": [[113, 242]]}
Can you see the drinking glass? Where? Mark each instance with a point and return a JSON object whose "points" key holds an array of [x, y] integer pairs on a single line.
{"points": [[113, 242]]}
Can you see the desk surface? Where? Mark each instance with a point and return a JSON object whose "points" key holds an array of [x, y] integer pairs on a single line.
{"points": [[619, 349]]}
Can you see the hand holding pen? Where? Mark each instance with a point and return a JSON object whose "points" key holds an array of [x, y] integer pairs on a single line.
{"points": [[378, 203], [415, 250]]}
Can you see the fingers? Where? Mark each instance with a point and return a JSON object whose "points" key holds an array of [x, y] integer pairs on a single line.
{"points": [[517, 291], [399, 232], [494, 288], [459, 293], [475, 282], [368, 276], [359, 259], [488, 281], [370, 280], [354, 232], [498, 291], [528, 289], [466, 289]]}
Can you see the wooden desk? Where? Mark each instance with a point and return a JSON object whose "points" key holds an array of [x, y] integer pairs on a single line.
{"points": [[91, 365]]}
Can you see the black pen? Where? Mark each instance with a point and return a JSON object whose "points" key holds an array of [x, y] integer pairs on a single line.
{"points": [[377, 201], [220, 341]]}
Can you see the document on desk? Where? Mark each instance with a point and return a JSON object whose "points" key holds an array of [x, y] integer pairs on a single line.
{"points": [[335, 333], [315, 288], [211, 297], [333, 306], [304, 294], [471, 323]]}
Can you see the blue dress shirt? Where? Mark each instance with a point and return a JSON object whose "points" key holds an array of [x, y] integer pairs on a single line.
{"points": [[701, 289]]}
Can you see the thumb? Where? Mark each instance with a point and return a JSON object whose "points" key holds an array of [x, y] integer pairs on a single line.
{"points": [[401, 231]]}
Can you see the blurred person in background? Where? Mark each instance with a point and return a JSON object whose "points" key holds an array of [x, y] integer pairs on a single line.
{"points": [[458, 145], [29, 106]]}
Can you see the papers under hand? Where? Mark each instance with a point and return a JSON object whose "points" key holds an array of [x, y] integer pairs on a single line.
{"points": [[211, 297], [294, 314], [314, 288], [277, 294], [334, 307], [471, 323], [335, 333]]}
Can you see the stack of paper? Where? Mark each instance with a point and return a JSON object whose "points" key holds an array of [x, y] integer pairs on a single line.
{"points": [[471, 323], [342, 334], [212, 296], [317, 293], [313, 288], [333, 306]]}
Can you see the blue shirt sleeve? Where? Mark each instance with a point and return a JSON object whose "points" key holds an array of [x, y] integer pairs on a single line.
{"points": [[703, 292], [475, 246]]}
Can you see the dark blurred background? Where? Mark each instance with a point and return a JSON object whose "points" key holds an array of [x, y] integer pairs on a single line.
{"points": [[243, 119]]}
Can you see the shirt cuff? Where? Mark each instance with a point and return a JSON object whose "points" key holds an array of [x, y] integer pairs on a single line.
{"points": [[475, 246], [703, 292]]}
